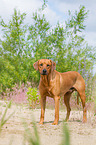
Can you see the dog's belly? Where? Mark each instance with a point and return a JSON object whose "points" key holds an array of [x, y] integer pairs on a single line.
{"points": [[49, 94], [66, 83], [61, 94]]}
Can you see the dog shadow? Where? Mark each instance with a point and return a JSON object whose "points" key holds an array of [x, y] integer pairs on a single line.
{"points": [[63, 121], [49, 122]]}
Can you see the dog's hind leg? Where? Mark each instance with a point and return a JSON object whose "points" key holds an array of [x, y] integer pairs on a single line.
{"points": [[67, 103], [77, 98], [83, 100]]}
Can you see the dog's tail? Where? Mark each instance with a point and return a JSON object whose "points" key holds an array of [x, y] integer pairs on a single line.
{"points": [[78, 99]]}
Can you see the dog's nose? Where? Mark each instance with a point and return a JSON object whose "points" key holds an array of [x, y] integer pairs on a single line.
{"points": [[44, 70]]}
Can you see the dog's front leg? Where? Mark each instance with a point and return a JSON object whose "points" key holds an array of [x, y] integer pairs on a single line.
{"points": [[43, 104], [56, 98]]}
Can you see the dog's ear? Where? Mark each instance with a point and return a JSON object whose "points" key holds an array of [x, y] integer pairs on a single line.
{"points": [[35, 65], [53, 65]]}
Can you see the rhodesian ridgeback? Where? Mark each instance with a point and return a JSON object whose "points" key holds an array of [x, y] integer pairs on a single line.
{"points": [[55, 84]]}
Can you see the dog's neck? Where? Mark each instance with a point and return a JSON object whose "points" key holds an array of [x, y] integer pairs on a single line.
{"points": [[47, 79]]}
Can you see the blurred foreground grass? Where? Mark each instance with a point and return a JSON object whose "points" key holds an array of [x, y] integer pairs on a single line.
{"points": [[3, 118], [35, 140]]}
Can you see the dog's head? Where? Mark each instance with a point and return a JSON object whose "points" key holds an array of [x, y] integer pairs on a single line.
{"points": [[45, 66]]}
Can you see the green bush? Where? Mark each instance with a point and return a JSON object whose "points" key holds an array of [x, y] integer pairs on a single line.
{"points": [[32, 97]]}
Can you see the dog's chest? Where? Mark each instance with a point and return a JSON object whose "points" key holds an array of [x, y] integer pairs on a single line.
{"points": [[50, 88]]}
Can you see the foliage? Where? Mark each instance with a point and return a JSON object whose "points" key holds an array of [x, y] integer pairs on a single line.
{"points": [[21, 45], [32, 97], [12, 49]]}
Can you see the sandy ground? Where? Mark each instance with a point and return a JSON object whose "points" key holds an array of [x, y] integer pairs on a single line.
{"points": [[13, 131]]}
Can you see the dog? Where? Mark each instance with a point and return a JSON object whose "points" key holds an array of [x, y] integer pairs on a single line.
{"points": [[55, 84]]}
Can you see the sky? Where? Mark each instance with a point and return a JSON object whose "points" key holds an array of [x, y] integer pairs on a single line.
{"points": [[57, 10]]}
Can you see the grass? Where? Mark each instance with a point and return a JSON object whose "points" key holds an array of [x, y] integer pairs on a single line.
{"points": [[66, 135], [32, 139], [4, 119]]}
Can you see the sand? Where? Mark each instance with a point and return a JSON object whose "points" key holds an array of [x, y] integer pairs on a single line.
{"points": [[13, 131]]}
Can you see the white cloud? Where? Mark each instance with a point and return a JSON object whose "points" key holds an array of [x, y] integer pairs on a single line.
{"points": [[27, 6], [64, 7], [91, 21], [90, 37], [51, 15]]}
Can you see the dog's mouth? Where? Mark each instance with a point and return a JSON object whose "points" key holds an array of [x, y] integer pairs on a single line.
{"points": [[44, 73]]}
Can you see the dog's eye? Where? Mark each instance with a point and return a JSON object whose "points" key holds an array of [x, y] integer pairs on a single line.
{"points": [[48, 65], [41, 64]]}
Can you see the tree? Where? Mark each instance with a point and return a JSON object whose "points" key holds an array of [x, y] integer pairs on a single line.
{"points": [[12, 50]]}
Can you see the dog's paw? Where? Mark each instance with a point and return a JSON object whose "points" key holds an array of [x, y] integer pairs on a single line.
{"points": [[41, 123], [66, 120], [84, 120], [55, 123]]}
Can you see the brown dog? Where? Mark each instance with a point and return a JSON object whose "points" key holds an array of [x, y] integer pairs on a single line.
{"points": [[55, 84]]}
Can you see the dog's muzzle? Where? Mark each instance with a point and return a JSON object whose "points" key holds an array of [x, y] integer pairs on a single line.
{"points": [[44, 72]]}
